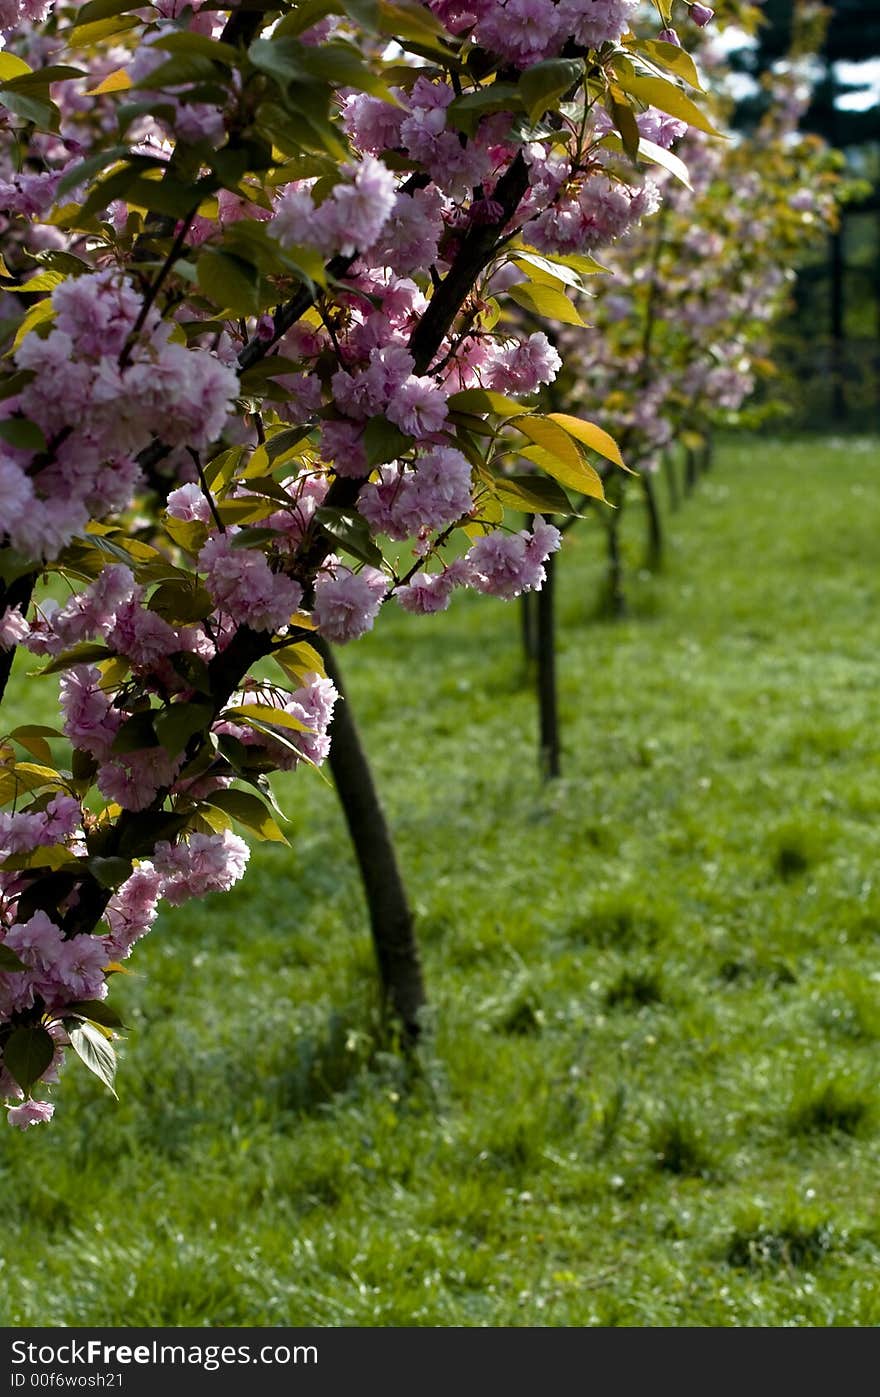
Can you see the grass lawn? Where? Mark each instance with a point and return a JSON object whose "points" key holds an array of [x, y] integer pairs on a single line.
{"points": [[649, 1094]]}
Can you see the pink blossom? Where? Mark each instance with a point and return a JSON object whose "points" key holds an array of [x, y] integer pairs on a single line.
{"points": [[30, 1113], [132, 910], [347, 603], [244, 586], [506, 564], [523, 366], [204, 863], [418, 407], [188, 502], [13, 628]]}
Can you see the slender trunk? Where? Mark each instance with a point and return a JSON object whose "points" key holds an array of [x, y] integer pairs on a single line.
{"points": [[615, 493], [690, 470], [17, 593], [547, 701], [391, 918], [670, 470], [655, 520], [838, 343], [528, 627]]}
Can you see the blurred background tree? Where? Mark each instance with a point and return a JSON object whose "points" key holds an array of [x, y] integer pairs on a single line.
{"points": [[832, 339]]}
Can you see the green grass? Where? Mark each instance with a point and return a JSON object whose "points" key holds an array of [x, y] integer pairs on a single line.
{"points": [[649, 1091]]}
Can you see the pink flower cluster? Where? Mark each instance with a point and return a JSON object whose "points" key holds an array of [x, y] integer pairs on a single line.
{"points": [[352, 217], [244, 587], [347, 603], [603, 210], [528, 31], [99, 393], [503, 565], [436, 493], [58, 972]]}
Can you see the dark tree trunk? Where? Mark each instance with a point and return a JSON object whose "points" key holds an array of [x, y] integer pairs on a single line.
{"points": [[547, 701], [690, 470], [670, 470], [17, 593], [655, 521], [529, 626], [615, 493], [391, 918], [838, 340]]}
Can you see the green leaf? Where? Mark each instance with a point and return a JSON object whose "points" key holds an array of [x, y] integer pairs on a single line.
{"points": [[97, 1054], [86, 652], [591, 436], [661, 93], [624, 119], [350, 532], [546, 301], [231, 283], [384, 442], [9, 961], [103, 9], [176, 724], [29, 1051], [676, 60], [267, 715], [97, 1011], [480, 400], [136, 733], [250, 812], [533, 494], [542, 85], [32, 736], [44, 115], [83, 170], [181, 41], [110, 872], [466, 112], [24, 435], [193, 670], [657, 155], [181, 601]]}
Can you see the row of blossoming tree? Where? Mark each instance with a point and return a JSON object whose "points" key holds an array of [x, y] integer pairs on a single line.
{"points": [[264, 377], [683, 321]]}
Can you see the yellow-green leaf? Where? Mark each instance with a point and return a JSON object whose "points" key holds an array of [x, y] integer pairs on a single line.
{"points": [[249, 811], [590, 435], [547, 301], [118, 81], [43, 310], [12, 67], [264, 713], [661, 93], [579, 475]]}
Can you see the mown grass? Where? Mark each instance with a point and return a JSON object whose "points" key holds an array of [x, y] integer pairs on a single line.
{"points": [[648, 1094]]}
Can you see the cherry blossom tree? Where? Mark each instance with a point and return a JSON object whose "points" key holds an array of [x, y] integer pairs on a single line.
{"points": [[264, 378]]}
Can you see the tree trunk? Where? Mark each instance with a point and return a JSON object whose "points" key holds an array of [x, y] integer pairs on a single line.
{"points": [[615, 493], [838, 340], [547, 702], [529, 627], [17, 593], [670, 470], [655, 521], [391, 918], [690, 470]]}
